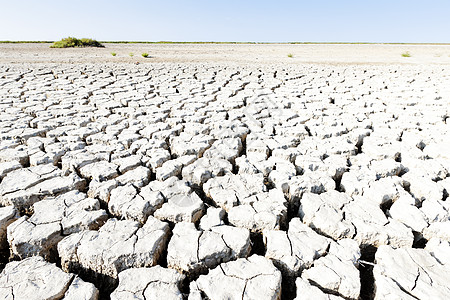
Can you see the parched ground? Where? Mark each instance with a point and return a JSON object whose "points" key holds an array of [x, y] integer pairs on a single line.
{"points": [[225, 172], [240, 54]]}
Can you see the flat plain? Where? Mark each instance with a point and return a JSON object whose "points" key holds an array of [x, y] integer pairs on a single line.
{"points": [[231, 53], [225, 172]]}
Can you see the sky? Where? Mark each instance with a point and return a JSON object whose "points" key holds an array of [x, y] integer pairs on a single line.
{"points": [[386, 21]]}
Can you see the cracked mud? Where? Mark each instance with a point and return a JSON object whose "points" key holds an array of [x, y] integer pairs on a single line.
{"points": [[214, 181]]}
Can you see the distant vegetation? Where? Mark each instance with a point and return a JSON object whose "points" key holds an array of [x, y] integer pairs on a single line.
{"points": [[71, 42], [406, 54], [131, 54], [25, 42], [170, 42], [206, 42], [113, 53], [290, 55], [266, 43], [145, 54]]}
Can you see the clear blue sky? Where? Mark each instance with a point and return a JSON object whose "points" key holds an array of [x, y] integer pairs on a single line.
{"points": [[228, 20]]}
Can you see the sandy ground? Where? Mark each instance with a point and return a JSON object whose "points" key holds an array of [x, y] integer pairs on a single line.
{"points": [[228, 53]]}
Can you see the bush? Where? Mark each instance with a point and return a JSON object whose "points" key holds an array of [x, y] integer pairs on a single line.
{"points": [[113, 53], [406, 54], [71, 42], [131, 54], [290, 55], [145, 54]]}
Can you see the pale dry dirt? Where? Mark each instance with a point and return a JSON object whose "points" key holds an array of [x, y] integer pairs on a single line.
{"points": [[224, 172], [230, 53]]}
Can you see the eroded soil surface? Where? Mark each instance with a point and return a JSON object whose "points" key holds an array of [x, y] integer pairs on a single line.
{"points": [[224, 181]]}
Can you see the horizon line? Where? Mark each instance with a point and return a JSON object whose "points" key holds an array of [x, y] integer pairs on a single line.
{"points": [[230, 42]]}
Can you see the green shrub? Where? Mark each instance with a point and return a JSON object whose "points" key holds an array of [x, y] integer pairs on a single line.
{"points": [[90, 43], [406, 54], [145, 54], [290, 55], [113, 53], [71, 42], [131, 54]]}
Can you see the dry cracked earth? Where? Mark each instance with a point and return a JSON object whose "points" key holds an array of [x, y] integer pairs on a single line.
{"points": [[203, 181]]}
